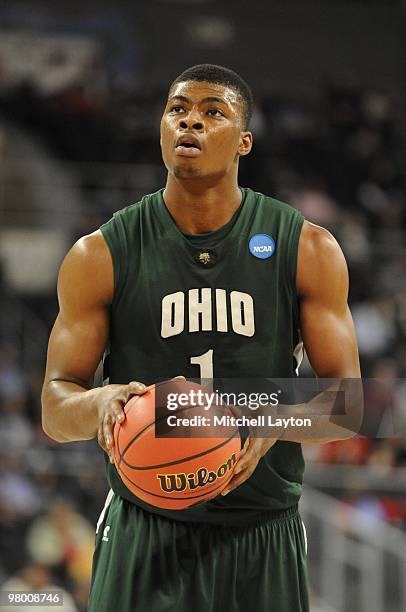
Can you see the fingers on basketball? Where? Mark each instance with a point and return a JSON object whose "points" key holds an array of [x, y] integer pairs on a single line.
{"points": [[245, 447], [102, 439], [107, 426], [135, 388], [249, 454], [116, 409]]}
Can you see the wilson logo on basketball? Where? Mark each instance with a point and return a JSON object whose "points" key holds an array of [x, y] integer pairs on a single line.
{"points": [[180, 482]]}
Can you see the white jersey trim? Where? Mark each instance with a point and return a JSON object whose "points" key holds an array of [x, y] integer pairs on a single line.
{"points": [[107, 503]]}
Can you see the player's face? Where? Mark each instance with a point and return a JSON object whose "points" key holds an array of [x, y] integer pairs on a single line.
{"points": [[201, 131]]}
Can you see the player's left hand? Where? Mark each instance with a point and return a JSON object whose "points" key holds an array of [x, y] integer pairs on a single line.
{"points": [[253, 450]]}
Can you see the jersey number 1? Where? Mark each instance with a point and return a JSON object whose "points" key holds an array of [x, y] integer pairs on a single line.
{"points": [[205, 362]]}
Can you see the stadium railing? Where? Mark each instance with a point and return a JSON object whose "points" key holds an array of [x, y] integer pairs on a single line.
{"points": [[356, 561]]}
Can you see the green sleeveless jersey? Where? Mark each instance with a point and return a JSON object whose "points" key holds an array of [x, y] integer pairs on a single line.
{"points": [[218, 305]]}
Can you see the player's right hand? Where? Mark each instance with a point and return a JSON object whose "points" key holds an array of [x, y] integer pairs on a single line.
{"points": [[110, 403]]}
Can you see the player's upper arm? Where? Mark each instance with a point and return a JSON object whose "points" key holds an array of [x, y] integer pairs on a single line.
{"points": [[85, 291], [325, 319]]}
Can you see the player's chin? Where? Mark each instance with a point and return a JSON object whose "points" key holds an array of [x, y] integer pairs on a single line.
{"points": [[186, 170]]}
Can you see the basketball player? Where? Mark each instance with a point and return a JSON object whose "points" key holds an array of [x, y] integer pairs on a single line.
{"points": [[202, 278]]}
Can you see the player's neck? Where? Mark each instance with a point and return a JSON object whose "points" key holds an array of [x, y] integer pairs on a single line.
{"points": [[199, 210]]}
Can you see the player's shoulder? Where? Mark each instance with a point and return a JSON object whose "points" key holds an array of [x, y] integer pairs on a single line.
{"points": [[87, 271], [320, 259], [90, 245], [317, 241], [87, 255]]}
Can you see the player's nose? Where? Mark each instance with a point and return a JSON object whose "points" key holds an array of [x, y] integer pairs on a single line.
{"points": [[193, 120]]}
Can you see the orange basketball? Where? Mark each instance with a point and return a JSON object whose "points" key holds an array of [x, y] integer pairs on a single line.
{"points": [[193, 465]]}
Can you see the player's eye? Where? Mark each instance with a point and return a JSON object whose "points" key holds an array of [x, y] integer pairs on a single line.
{"points": [[215, 112], [176, 108]]}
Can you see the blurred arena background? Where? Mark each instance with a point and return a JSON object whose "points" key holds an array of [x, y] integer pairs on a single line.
{"points": [[81, 90]]}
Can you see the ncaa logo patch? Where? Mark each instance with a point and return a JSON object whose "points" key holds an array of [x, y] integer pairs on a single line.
{"points": [[262, 246]]}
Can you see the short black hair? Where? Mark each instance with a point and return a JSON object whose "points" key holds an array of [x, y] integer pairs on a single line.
{"points": [[211, 73]]}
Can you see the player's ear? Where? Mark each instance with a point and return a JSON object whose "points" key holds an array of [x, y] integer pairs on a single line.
{"points": [[245, 144]]}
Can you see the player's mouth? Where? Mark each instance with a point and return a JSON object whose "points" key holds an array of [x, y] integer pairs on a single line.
{"points": [[188, 146]]}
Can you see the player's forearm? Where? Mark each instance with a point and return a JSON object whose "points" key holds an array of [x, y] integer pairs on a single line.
{"points": [[319, 432], [302, 428], [69, 411], [334, 414]]}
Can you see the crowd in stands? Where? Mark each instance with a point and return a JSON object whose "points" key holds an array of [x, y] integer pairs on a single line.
{"points": [[339, 156]]}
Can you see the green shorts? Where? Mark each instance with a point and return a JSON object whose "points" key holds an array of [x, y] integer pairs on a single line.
{"points": [[146, 563]]}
